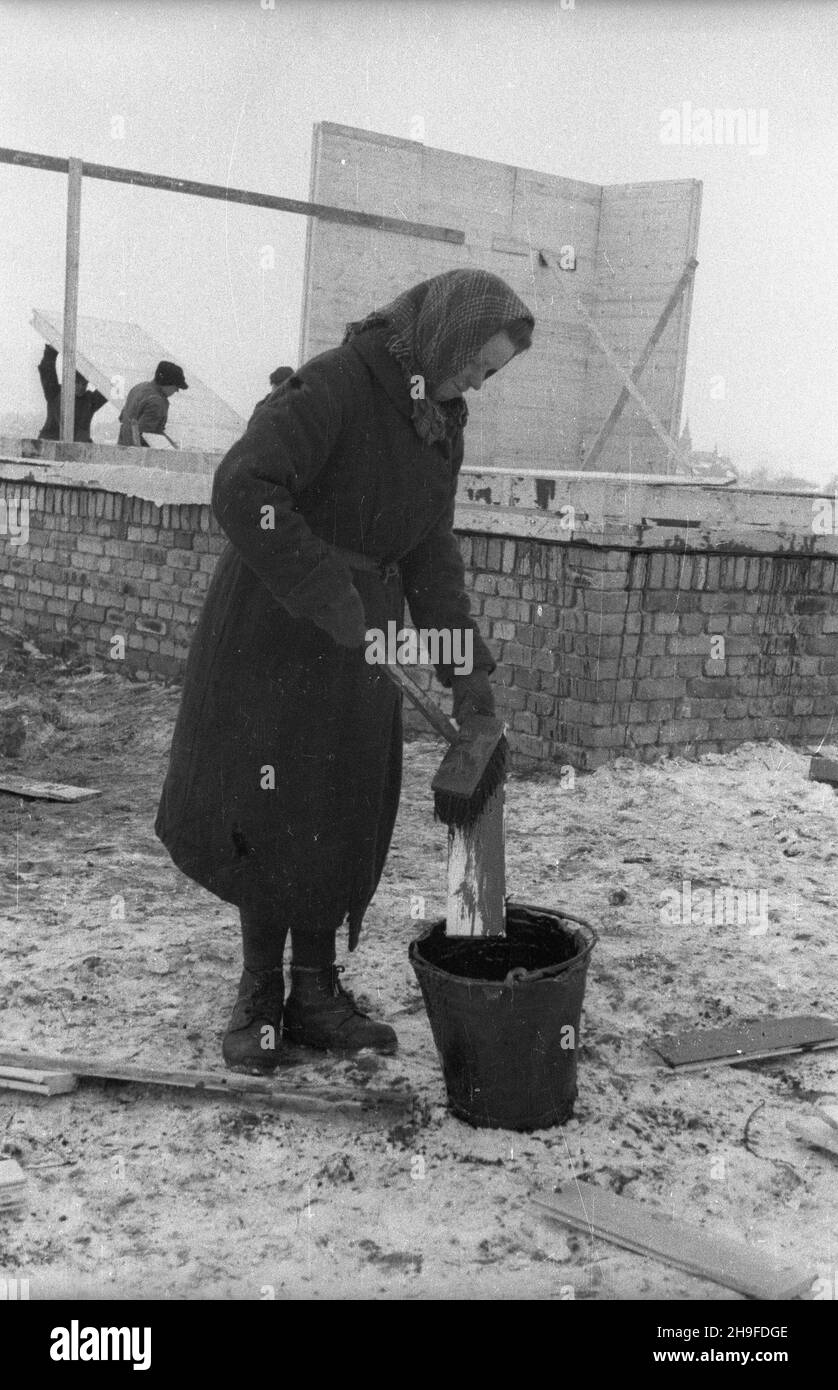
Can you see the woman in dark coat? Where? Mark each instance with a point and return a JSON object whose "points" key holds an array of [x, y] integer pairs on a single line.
{"points": [[285, 767]]}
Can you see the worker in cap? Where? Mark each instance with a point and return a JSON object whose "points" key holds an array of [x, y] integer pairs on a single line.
{"points": [[146, 408], [277, 378]]}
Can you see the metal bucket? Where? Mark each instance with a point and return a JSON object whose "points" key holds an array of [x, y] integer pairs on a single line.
{"points": [[505, 1014]]}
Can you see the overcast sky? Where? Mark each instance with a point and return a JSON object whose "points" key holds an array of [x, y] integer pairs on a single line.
{"points": [[228, 92]]}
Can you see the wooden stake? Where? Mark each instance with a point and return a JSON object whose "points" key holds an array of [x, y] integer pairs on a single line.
{"points": [[477, 874], [71, 300]]}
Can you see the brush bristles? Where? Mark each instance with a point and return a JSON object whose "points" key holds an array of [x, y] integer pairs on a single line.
{"points": [[462, 811]]}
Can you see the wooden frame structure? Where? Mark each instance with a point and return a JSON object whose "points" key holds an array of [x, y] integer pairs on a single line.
{"points": [[77, 169]]}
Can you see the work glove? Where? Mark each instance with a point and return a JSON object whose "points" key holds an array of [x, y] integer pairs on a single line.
{"points": [[344, 619], [472, 695]]}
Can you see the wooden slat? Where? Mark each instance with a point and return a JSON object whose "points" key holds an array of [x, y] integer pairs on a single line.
{"points": [[325, 1098], [42, 1083], [44, 791], [237, 195], [741, 1042], [646, 1231]]}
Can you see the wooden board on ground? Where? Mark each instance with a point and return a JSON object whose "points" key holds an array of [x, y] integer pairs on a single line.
{"points": [[322, 1099], [12, 1184], [824, 770], [648, 1231], [828, 1110], [43, 791], [816, 1132], [746, 1042], [42, 1083]]}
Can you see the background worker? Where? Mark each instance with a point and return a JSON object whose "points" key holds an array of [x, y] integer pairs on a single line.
{"points": [[86, 403], [276, 378], [146, 408]]}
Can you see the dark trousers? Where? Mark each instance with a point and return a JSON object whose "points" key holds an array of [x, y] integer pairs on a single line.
{"points": [[265, 930]]}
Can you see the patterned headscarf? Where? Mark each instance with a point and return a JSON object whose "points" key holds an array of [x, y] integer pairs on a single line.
{"points": [[436, 328]]}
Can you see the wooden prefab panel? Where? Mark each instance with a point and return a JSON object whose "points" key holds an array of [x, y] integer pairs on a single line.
{"points": [[114, 356], [627, 246]]}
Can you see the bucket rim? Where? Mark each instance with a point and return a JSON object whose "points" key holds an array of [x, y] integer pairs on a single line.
{"points": [[588, 933]]}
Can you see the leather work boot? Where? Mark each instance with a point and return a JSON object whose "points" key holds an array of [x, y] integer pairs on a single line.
{"points": [[252, 1040], [321, 1013]]}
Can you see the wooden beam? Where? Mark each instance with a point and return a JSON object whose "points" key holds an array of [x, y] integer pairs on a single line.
{"points": [[71, 300], [323, 211], [665, 438], [640, 365]]}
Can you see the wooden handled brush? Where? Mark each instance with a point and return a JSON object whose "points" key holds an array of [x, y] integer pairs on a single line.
{"points": [[468, 797]]}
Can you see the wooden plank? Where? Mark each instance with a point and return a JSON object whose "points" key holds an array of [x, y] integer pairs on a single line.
{"points": [[320, 1099], [648, 1231], [476, 874], [823, 770], [42, 1083], [740, 1042], [322, 211], [44, 791], [639, 367], [71, 300]]}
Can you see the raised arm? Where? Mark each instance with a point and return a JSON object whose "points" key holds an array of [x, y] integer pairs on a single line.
{"points": [[50, 384]]}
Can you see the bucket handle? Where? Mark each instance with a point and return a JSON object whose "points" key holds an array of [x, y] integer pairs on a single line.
{"points": [[519, 973]]}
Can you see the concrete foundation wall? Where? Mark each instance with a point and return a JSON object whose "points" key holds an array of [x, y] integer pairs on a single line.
{"points": [[606, 633]]}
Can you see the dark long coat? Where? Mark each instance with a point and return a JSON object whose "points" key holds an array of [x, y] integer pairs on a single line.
{"points": [[334, 453]]}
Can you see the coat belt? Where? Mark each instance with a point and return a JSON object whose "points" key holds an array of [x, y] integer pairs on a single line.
{"points": [[387, 569]]}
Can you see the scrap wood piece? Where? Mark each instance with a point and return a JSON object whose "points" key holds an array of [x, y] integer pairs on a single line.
{"points": [[823, 770], [815, 1132], [746, 1042], [323, 1099], [43, 1083], [649, 1231], [44, 791], [12, 1183]]}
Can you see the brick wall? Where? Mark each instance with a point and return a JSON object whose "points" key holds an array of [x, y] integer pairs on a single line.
{"points": [[603, 649]]}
